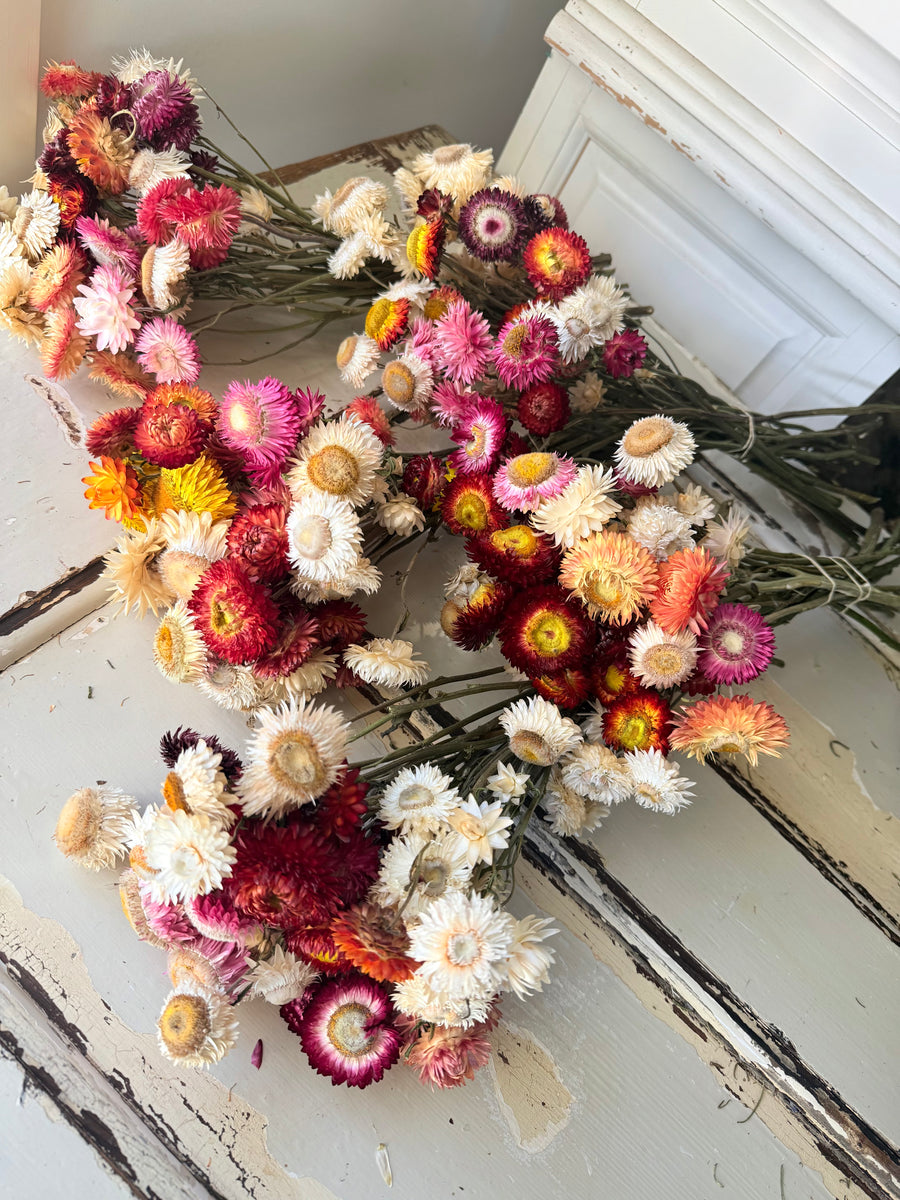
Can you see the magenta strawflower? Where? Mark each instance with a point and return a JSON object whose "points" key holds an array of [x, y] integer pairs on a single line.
{"points": [[168, 351], [347, 1031], [624, 353], [167, 921], [421, 340], [448, 404], [463, 343], [526, 351], [110, 246], [206, 220], [738, 645], [260, 420], [479, 435], [523, 482], [492, 224], [104, 309], [214, 916], [165, 111]]}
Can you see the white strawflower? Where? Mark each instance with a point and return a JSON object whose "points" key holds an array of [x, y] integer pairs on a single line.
{"points": [[178, 649], [538, 732], [694, 504], [568, 813], [409, 189], [35, 223], [201, 783], [456, 170], [529, 961], [338, 458], [656, 783], [595, 772], [296, 754], [463, 585], [94, 825], [407, 382], [660, 529], [281, 977], [510, 183], [150, 167], [592, 727], [725, 538], [484, 828], [355, 199], [380, 238], [190, 853], [310, 677], [431, 866], [507, 783], [162, 270], [416, 291], [654, 449], [197, 1026], [589, 316], [357, 357], [386, 662], [324, 537], [194, 542], [587, 394], [660, 659], [231, 686], [418, 800], [416, 998], [10, 248], [255, 203], [349, 258], [401, 515], [8, 205], [582, 508], [463, 944]]}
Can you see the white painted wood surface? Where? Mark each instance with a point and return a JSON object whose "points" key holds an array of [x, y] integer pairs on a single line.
{"points": [[742, 179], [729, 956]]}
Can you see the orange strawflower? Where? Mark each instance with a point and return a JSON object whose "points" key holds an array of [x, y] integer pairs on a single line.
{"points": [[121, 373], [690, 583], [114, 487], [729, 725], [365, 936]]}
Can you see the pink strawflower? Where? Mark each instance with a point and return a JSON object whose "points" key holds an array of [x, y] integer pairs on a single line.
{"points": [[167, 921], [521, 483], [214, 916], [104, 309], [165, 111], [229, 960], [369, 411], [448, 404], [445, 1056], [347, 1031], [206, 220], [206, 258], [738, 645], [260, 420], [463, 342], [310, 405], [421, 340], [479, 434], [110, 246], [527, 351], [168, 351], [153, 223], [624, 353]]}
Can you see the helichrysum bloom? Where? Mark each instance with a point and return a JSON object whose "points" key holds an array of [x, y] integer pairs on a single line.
{"points": [[422, 868], [357, 357], [419, 800], [197, 1026], [526, 350], [729, 725], [589, 316], [371, 938], [114, 487], [483, 827], [654, 449], [479, 432], [612, 575], [463, 944], [655, 782], [492, 224], [104, 309], [690, 583], [595, 772], [401, 516], [56, 277], [639, 721], [178, 648], [527, 480], [738, 645], [93, 825], [190, 853], [568, 813], [324, 537], [168, 351], [582, 508], [339, 458], [295, 756], [281, 977], [507, 783], [661, 659], [557, 261], [386, 662], [456, 170], [537, 731], [236, 617], [660, 529], [543, 631], [528, 966], [347, 1032]]}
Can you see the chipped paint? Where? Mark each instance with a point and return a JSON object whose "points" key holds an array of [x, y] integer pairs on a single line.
{"points": [[60, 404], [532, 1097]]}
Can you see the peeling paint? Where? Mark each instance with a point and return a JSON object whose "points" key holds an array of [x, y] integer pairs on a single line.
{"points": [[60, 404], [532, 1097]]}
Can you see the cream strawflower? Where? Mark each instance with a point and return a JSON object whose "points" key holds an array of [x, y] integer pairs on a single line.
{"points": [[386, 662], [94, 825], [255, 203], [197, 1026], [190, 853], [507, 783], [324, 537], [587, 394], [22, 321], [354, 200], [407, 382], [10, 247], [694, 504], [150, 167], [8, 205], [595, 772], [660, 529], [198, 783], [725, 538], [416, 291], [592, 728], [296, 755], [310, 677], [654, 449], [141, 62], [538, 732], [484, 828], [133, 570], [418, 800], [510, 183], [456, 170], [338, 458], [380, 238], [401, 515], [357, 357], [349, 258], [431, 867], [409, 189], [656, 783], [529, 962], [568, 813], [463, 944], [178, 649], [582, 508], [281, 977], [416, 998], [35, 223], [163, 268], [660, 659], [232, 687], [463, 585], [589, 316], [194, 541]]}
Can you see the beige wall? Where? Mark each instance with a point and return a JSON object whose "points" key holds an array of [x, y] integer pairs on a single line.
{"points": [[304, 78]]}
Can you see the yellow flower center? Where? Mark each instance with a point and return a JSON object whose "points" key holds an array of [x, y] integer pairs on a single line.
{"points": [[296, 763], [348, 1030], [173, 793], [518, 540], [333, 469], [647, 436], [665, 659], [378, 316], [223, 618], [163, 646], [435, 307], [471, 511], [398, 383], [184, 1025], [346, 350], [603, 589], [548, 634], [633, 731], [528, 470], [531, 747], [512, 343]]}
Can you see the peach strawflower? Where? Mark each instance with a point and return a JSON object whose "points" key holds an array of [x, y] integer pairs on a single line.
{"points": [[690, 583], [729, 725], [611, 574]]}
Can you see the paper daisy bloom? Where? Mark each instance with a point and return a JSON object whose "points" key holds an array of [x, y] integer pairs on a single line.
{"points": [[114, 487], [582, 508], [347, 1031], [422, 868], [528, 966], [109, 245], [692, 502], [296, 755], [726, 538], [462, 342], [639, 721], [401, 515], [197, 784], [281, 977], [660, 529], [690, 583], [589, 316], [374, 941], [104, 309], [340, 459], [463, 944], [656, 783], [407, 382], [163, 268], [35, 223], [523, 483], [558, 261], [738, 645], [611, 574], [197, 1026], [357, 357], [236, 618], [386, 662], [654, 449], [660, 659], [595, 772], [537, 731], [354, 200], [587, 394], [178, 648], [93, 826], [132, 571], [543, 631], [526, 351], [568, 813], [492, 225], [349, 258], [195, 542], [231, 686], [418, 800], [483, 827], [457, 170], [507, 783], [168, 351], [445, 1056], [191, 854], [324, 537], [468, 505], [729, 725], [56, 277]]}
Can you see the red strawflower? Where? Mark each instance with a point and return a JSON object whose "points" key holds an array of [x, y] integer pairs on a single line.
{"points": [[169, 435], [557, 261], [186, 394], [386, 321], [76, 198], [154, 225], [610, 676], [205, 258], [367, 410], [347, 1031], [309, 404], [566, 689], [624, 353], [543, 632], [480, 619], [315, 945], [340, 811], [292, 1012], [517, 554], [207, 219], [113, 432], [237, 618], [66, 80], [434, 203], [424, 478], [544, 408], [468, 505], [425, 246], [638, 722], [258, 542], [341, 624], [298, 637]]}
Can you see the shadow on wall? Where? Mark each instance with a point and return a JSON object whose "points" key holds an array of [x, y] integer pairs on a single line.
{"points": [[301, 79]]}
